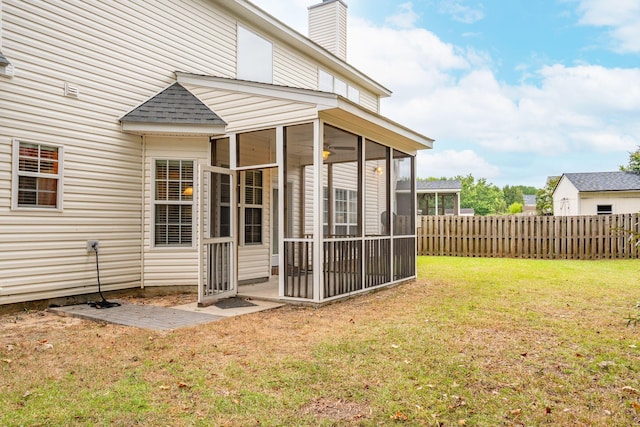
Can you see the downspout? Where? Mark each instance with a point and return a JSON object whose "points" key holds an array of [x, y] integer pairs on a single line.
{"points": [[142, 209]]}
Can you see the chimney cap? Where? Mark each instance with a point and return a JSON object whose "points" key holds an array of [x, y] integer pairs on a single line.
{"points": [[327, 1]]}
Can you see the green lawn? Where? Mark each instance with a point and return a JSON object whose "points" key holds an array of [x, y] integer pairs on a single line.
{"points": [[476, 342]]}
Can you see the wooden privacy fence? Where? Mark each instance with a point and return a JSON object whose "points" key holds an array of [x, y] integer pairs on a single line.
{"points": [[540, 237]]}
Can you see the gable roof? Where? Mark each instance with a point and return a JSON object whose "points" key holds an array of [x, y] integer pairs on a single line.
{"points": [[439, 184], [529, 199], [174, 105], [604, 181]]}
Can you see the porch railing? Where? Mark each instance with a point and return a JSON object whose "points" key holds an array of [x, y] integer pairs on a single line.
{"points": [[218, 273], [349, 265], [298, 255]]}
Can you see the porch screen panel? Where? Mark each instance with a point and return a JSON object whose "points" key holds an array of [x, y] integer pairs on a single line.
{"points": [[256, 148], [404, 257], [404, 195], [376, 186], [299, 212]]}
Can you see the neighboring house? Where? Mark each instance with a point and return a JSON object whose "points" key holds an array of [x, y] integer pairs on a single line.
{"points": [[198, 142], [529, 206], [439, 197], [597, 193]]}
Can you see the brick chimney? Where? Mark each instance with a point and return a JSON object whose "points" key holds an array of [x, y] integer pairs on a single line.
{"points": [[328, 26]]}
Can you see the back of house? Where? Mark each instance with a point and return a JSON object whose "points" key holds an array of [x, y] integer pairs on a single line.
{"points": [[110, 109]]}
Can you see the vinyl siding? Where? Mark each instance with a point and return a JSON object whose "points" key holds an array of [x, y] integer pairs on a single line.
{"points": [[245, 112], [293, 70], [166, 266], [327, 27], [369, 101], [112, 52]]}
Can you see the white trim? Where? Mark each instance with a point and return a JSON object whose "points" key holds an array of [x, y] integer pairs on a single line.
{"points": [[152, 205], [172, 129], [15, 174], [328, 100]]}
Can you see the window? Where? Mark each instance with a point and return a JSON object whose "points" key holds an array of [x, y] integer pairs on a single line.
{"points": [[38, 176], [173, 203], [255, 57], [252, 207], [328, 83], [605, 209], [345, 216]]}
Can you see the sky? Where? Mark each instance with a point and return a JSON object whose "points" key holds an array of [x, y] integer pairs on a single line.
{"points": [[512, 91]]}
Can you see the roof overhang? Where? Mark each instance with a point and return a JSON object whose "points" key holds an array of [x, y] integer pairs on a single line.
{"points": [[331, 108], [164, 129], [378, 128]]}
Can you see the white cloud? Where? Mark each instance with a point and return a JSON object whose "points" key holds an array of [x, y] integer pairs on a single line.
{"points": [[461, 12], [404, 18], [560, 117], [622, 17], [450, 163]]}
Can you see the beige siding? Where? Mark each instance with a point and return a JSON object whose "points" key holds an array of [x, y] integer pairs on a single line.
{"points": [[293, 70], [112, 52], [328, 27], [622, 202], [247, 112], [170, 266], [369, 101], [566, 201]]}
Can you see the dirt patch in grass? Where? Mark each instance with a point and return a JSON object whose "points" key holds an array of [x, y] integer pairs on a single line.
{"points": [[336, 410]]}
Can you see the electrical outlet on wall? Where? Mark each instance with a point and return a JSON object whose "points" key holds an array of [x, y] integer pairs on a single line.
{"points": [[90, 245]]}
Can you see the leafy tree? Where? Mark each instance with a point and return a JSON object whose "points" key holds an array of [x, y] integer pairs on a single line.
{"points": [[634, 162], [544, 197], [527, 189], [513, 194], [484, 197], [515, 208]]}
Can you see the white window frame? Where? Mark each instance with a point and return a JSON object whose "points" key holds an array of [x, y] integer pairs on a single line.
{"points": [[254, 56], [16, 174], [155, 202], [351, 202], [327, 82], [243, 205]]}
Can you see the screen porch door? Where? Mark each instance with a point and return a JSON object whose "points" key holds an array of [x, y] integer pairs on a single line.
{"points": [[217, 252]]}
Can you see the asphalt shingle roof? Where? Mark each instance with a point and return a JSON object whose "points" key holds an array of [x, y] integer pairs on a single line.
{"points": [[175, 105], [441, 184], [605, 181], [3, 60]]}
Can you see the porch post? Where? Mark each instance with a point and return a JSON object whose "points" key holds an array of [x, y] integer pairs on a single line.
{"points": [[318, 138], [280, 160]]}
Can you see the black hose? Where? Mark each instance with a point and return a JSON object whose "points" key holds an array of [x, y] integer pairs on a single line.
{"points": [[104, 303]]}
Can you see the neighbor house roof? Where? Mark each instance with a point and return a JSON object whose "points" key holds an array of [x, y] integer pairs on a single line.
{"points": [[529, 199], [175, 104], [439, 185], [604, 181]]}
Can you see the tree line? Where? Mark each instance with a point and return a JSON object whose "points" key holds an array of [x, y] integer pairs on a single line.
{"points": [[486, 198]]}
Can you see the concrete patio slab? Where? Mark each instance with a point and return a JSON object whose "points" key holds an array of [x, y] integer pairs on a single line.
{"points": [[140, 316], [159, 318]]}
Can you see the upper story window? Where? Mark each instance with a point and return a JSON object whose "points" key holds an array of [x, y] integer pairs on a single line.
{"points": [[173, 203], [38, 175], [605, 209], [329, 83], [255, 57]]}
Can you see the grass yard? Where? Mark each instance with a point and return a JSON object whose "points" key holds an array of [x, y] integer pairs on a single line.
{"points": [[472, 342]]}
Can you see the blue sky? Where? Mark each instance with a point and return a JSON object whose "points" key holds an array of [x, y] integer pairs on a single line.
{"points": [[511, 90]]}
